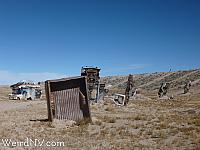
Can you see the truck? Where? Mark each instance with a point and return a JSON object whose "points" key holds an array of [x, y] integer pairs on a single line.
{"points": [[25, 91]]}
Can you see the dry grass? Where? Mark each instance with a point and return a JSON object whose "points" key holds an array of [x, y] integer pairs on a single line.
{"points": [[142, 124]]}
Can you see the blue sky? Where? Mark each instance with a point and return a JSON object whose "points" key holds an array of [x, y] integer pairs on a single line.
{"points": [[42, 39]]}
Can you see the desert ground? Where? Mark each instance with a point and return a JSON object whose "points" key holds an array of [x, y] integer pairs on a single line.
{"points": [[147, 122]]}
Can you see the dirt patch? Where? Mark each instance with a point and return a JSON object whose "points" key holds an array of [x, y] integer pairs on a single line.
{"points": [[147, 122]]}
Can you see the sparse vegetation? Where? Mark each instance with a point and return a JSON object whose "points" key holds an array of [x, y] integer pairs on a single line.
{"points": [[142, 124]]}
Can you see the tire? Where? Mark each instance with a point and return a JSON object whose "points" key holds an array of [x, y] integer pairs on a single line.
{"points": [[29, 98]]}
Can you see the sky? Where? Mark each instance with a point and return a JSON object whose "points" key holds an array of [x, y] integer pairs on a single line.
{"points": [[48, 39]]}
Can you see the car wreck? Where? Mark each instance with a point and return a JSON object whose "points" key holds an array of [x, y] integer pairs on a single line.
{"points": [[96, 90], [25, 91], [67, 99]]}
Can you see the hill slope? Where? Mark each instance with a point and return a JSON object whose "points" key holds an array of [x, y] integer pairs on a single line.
{"points": [[152, 81]]}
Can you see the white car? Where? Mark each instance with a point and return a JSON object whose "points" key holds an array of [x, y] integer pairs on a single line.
{"points": [[16, 96]]}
